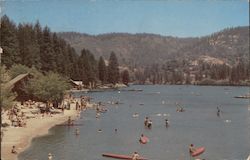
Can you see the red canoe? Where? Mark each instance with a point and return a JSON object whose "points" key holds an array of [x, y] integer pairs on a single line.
{"points": [[198, 151], [144, 140], [119, 156]]}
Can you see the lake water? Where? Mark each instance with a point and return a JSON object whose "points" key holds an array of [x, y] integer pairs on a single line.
{"points": [[226, 137]]}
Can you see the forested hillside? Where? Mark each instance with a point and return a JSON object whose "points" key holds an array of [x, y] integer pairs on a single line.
{"points": [[39, 48], [146, 49], [220, 58]]}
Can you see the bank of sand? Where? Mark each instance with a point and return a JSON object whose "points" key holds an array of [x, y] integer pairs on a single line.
{"points": [[22, 136]]}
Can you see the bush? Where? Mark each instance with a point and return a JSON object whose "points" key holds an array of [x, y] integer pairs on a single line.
{"points": [[50, 87]]}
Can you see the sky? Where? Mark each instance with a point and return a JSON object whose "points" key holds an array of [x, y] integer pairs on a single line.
{"points": [[179, 18]]}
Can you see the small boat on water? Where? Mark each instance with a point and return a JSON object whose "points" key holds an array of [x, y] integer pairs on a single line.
{"points": [[244, 97], [119, 156], [132, 90], [248, 158], [198, 151]]}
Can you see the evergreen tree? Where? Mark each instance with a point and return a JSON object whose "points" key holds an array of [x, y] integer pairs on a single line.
{"points": [[113, 70], [28, 46], [87, 74], [47, 53], [125, 77], [9, 42], [102, 70], [39, 41]]}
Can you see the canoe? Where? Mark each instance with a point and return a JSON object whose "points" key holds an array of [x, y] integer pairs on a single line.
{"points": [[144, 140], [69, 125], [198, 151], [119, 156], [248, 158]]}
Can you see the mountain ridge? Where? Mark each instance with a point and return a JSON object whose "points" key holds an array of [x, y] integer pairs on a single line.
{"points": [[147, 48]]}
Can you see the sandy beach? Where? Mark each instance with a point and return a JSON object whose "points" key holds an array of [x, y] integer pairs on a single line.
{"points": [[22, 136]]}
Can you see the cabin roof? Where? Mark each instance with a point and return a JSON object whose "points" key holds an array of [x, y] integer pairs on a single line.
{"points": [[78, 83], [18, 78]]}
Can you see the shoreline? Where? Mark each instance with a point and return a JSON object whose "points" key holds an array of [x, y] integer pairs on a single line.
{"points": [[36, 127]]}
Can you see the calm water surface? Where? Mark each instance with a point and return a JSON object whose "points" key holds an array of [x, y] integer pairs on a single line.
{"points": [[226, 137]]}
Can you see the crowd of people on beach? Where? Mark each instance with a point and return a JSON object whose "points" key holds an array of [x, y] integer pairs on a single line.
{"points": [[21, 111], [17, 117]]}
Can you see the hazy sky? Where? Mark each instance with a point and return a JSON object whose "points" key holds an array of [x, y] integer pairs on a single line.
{"points": [[180, 18]]}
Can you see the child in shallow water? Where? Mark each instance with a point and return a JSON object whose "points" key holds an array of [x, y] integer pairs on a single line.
{"points": [[50, 156]]}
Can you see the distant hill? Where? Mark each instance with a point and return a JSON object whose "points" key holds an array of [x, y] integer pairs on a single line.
{"points": [[145, 49]]}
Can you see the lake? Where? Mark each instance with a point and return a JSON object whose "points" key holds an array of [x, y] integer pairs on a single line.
{"points": [[225, 137]]}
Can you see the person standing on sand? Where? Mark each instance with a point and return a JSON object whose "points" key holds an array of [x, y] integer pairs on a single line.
{"points": [[13, 150], [77, 105]]}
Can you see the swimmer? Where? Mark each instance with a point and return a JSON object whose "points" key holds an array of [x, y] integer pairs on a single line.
{"points": [[50, 156], [77, 132]]}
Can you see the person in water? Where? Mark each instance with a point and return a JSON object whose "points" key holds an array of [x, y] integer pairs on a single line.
{"points": [[13, 150], [166, 122], [150, 123], [50, 156], [135, 156], [140, 140], [70, 121], [218, 111], [77, 131], [191, 149], [146, 121]]}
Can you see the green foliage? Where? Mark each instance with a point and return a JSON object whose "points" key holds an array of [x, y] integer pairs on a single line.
{"points": [[87, 67], [113, 70], [37, 47], [18, 69], [125, 77], [9, 42], [102, 70], [5, 77], [7, 97], [28, 45], [47, 53], [49, 87]]}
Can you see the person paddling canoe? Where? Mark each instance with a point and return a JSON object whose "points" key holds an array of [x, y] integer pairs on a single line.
{"points": [[135, 156]]}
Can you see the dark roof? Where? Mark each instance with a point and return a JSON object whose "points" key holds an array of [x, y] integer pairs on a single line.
{"points": [[12, 82]]}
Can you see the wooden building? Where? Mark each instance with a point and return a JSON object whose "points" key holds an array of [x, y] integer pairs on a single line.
{"points": [[17, 86]]}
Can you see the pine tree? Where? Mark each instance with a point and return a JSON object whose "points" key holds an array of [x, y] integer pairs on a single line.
{"points": [[113, 70], [9, 42], [47, 53], [102, 70], [39, 41], [87, 74], [28, 46], [125, 77]]}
